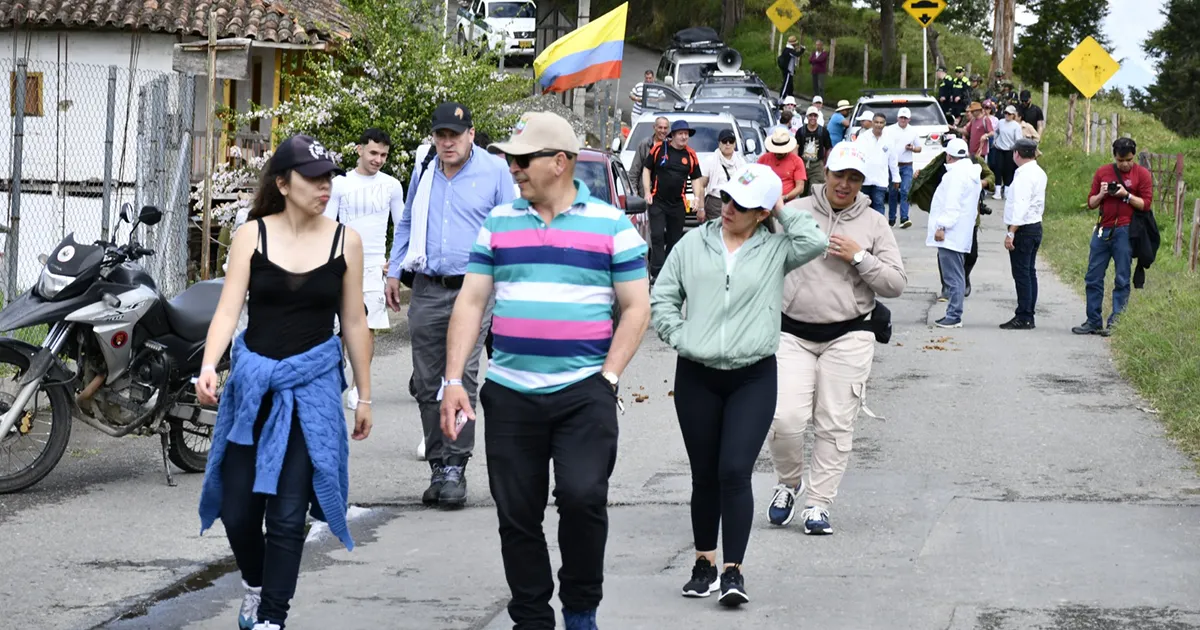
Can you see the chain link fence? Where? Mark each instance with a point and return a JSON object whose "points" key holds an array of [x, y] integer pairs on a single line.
{"points": [[86, 140]]}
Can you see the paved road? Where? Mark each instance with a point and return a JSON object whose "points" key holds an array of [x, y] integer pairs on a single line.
{"points": [[1016, 483]]}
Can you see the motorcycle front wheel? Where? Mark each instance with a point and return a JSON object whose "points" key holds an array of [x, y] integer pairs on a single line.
{"points": [[39, 438]]}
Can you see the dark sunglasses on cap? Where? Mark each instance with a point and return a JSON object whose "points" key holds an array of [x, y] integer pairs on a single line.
{"points": [[728, 141], [725, 198], [522, 161]]}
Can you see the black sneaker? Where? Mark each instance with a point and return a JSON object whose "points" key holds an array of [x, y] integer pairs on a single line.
{"points": [[454, 490], [704, 580], [436, 480], [1017, 324], [733, 588]]}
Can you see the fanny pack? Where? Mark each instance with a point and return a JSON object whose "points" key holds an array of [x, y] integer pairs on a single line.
{"points": [[881, 322]]}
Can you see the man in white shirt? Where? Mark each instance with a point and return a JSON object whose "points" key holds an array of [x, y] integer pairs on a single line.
{"points": [[635, 95], [906, 142], [952, 223], [1023, 208], [880, 161]]}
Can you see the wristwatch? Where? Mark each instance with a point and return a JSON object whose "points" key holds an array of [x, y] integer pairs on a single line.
{"points": [[612, 379], [859, 256]]}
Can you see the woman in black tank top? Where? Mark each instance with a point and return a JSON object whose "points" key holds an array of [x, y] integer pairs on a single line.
{"points": [[292, 306]]}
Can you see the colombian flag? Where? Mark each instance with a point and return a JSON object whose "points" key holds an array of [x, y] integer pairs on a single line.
{"points": [[586, 55]]}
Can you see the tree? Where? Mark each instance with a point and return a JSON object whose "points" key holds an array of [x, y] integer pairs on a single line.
{"points": [[1061, 25], [732, 12], [887, 34], [1004, 25], [1176, 52], [968, 17]]}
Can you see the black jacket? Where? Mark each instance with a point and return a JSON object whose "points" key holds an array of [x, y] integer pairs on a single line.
{"points": [[1144, 238]]}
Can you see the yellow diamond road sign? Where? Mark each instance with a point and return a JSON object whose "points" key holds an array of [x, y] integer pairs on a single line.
{"points": [[783, 14], [925, 11], [1089, 67]]}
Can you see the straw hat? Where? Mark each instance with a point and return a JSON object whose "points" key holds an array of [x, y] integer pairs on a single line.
{"points": [[781, 141]]}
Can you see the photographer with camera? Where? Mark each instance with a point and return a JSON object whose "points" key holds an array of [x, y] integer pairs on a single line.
{"points": [[1119, 190], [788, 60]]}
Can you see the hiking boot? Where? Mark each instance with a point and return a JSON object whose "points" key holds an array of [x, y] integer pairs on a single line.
{"points": [[579, 620], [454, 490], [1087, 329], [437, 480], [733, 588], [248, 615], [705, 580], [816, 521]]}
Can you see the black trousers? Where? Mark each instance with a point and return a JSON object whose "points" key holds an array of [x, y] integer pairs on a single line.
{"points": [[666, 228], [576, 428], [724, 416], [273, 561], [1023, 259]]}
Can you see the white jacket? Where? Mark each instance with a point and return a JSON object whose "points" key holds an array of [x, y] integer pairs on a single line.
{"points": [[955, 204], [881, 161]]}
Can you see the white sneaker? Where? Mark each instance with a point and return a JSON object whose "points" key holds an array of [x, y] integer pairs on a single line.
{"points": [[248, 615], [999, 193], [421, 450], [352, 398], [266, 625]]}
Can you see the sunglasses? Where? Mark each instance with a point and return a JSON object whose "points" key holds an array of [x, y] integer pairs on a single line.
{"points": [[728, 141], [522, 161], [725, 198]]}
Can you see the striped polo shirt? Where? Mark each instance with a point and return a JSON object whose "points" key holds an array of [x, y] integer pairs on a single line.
{"points": [[552, 323]]}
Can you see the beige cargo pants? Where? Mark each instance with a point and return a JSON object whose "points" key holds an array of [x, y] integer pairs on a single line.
{"points": [[821, 383]]}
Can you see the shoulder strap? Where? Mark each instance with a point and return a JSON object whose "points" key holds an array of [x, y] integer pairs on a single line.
{"points": [[337, 237], [1117, 173], [262, 237]]}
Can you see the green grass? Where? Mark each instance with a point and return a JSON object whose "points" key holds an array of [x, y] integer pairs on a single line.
{"points": [[1157, 345]]}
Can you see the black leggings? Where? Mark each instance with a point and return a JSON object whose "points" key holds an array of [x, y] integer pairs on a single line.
{"points": [[724, 416]]}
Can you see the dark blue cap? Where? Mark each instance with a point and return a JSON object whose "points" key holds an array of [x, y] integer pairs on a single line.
{"points": [[682, 125]]}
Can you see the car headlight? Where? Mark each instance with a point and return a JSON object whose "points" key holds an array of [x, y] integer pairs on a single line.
{"points": [[50, 284]]}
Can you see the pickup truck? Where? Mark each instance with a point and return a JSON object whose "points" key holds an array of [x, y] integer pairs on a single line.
{"points": [[508, 26]]}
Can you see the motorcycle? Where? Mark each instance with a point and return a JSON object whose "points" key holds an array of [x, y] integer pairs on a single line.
{"points": [[117, 356]]}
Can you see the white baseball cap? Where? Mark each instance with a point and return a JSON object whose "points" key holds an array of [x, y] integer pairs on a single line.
{"points": [[791, 100], [904, 113], [755, 186], [1010, 110], [866, 115], [813, 111], [846, 156], [818, 99], [957, 148]]}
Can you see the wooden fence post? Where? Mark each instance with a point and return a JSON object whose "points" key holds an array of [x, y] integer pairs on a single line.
{"points": [[904, 71], [1180, 192], [1101, 138], [1045, 102], [866, 62], [832, 55], [1116, 127], [1071, 119], [1195, 250]]}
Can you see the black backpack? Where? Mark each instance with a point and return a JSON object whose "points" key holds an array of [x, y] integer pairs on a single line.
{"points": [[785, 60]]}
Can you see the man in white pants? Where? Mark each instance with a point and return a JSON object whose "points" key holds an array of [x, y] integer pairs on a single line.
{"points": [[362, 199]]}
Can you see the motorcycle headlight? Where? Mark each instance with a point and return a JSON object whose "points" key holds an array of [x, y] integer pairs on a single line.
{"points": [[49, 284]]}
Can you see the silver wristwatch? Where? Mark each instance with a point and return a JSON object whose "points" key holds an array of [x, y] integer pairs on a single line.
{"points": [[859, 256], [612, 379]]}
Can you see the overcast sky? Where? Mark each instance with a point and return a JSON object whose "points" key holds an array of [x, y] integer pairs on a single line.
{"points": [[1127, 25]]}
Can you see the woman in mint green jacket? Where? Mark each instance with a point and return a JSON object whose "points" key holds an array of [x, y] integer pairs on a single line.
{"points": [[725, 378]]}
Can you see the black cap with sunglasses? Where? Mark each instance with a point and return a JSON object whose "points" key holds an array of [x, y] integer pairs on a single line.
{"points": [[726, 135]]}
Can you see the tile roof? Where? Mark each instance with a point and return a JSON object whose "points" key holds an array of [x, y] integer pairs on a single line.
{"points": [[304, 22]]}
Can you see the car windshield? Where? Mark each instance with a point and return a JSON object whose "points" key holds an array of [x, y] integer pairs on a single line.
{"points": [[923, 113], [720, 90], [705, 140], [691, 73], [512, 10], [741, 111], [595, 175]]}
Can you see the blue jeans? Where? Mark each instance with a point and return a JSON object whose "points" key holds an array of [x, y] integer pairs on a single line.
{"points": [[906, 176], [1111, 243], [955, 278], [877, 195], [1024, 258]]}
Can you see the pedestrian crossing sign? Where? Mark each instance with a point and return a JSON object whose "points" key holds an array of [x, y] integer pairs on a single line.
{"points": [[783, 14], [1089, 67], [925, 11]]}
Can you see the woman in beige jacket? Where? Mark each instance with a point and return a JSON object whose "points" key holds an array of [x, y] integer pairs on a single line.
{"points": [[826, 344]]}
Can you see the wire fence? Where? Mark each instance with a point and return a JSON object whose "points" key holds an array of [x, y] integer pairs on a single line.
{"points": [[86, 140]]}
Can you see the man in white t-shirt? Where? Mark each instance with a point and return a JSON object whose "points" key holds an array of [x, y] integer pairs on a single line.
{"points": [[363, 199]]}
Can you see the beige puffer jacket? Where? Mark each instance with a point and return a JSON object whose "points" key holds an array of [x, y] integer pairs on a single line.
{"points": [[829, 289]]}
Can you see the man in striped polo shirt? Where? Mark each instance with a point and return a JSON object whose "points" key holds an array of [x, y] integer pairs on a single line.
{"points": [[556, 259]]}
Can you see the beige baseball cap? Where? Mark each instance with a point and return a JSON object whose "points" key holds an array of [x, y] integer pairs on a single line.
{"points": [[536, 132]]}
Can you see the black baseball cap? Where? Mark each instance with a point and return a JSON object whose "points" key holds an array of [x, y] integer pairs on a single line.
{"points": [[453, 116], [1025, 95], [726, 134], [305, 155]]}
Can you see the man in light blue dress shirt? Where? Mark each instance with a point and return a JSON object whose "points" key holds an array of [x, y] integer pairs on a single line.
{"points": [[445, 208]]}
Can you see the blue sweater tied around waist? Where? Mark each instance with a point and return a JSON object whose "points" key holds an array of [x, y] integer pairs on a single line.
{"points": [[309, 384]]}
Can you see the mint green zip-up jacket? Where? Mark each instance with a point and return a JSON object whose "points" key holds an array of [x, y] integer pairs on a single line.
{"points": [[732, 319]]}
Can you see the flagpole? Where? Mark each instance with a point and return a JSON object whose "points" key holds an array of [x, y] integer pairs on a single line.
{"points": [[585, 12]]}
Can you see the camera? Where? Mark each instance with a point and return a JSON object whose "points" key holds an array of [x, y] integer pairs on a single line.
{"points": [[1112, 187]]}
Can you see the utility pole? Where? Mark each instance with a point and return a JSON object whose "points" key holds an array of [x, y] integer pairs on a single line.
{"points": [[585, 12]]}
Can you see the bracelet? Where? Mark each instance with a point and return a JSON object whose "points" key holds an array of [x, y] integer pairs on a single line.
{"points": [[454, 381], [363, 402], [208, 368]]}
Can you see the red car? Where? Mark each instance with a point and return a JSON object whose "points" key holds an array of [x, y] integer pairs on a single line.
{"points": [[608, 181]]}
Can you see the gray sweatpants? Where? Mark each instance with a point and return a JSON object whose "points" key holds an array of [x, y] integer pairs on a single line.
{"points": [[428, 320]]}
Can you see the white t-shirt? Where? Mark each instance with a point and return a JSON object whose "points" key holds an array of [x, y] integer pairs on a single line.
{"points": [[363, 203]]}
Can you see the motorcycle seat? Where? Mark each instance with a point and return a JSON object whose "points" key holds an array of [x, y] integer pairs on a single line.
{"points": [[190, 312]]}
